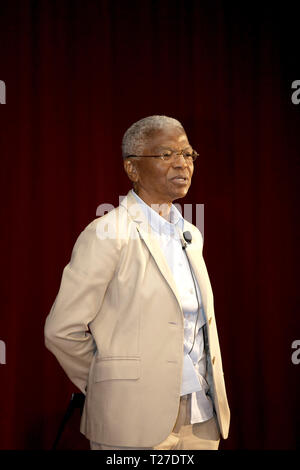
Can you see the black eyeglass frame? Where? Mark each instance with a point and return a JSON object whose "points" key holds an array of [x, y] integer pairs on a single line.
{"points": [[194, 156]]}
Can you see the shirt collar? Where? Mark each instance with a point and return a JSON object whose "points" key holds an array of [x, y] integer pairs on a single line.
{"points": [[157, 222]]}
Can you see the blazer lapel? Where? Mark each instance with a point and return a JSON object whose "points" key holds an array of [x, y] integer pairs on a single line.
{"points": [[197, 263], [146, 233]]}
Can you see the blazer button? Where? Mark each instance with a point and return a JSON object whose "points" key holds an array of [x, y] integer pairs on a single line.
{"points": [[209, 320], [213, 360]]}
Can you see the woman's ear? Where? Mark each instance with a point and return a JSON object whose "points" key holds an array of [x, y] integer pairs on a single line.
{"points": [[131, 169]]}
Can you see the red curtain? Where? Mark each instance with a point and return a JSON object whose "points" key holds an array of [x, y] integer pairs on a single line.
{"points": [[77, 75]]}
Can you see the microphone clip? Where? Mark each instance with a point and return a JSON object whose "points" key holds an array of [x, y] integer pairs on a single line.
{"points": [[187, 239]]}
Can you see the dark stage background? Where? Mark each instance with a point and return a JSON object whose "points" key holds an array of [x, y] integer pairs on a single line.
{"points": [[77, 74]]}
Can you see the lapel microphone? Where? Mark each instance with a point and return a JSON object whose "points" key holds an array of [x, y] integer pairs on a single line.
{"points": [[188, 239]]}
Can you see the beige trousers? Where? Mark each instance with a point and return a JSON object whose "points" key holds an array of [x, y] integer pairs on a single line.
{"points": [[185, 436]]}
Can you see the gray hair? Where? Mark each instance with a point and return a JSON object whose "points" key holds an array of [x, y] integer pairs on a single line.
{"points": [[135, 137]]}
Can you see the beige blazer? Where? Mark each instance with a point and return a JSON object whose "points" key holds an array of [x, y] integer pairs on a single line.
{"points": [[117, 329]]}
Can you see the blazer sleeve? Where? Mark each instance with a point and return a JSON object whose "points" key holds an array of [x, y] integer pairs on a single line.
{"points": [[83, 285]]}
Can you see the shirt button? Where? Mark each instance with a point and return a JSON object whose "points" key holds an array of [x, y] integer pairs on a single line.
{"points": [[213, 360]]}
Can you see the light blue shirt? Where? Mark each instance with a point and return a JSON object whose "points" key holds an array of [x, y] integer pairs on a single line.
{"points": [[194, 364]]}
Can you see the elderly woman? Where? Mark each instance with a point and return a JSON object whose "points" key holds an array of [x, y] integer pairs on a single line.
{"points": [[133, 323]]}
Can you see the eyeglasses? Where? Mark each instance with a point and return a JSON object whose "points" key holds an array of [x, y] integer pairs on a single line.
{"points": [[172, 155]]}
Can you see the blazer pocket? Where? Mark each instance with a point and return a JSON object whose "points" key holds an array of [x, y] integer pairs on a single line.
{"points": [[117, 369]]}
